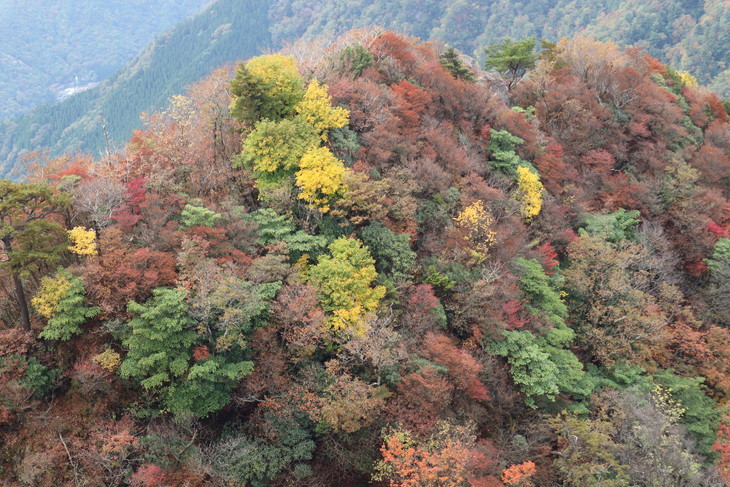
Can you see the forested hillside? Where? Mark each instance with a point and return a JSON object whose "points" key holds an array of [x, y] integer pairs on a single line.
{"points": [[225, 31], [369, 264], [47, 45], [690, 36]]}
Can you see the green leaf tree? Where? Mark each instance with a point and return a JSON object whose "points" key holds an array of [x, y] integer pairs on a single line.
{"points": [[69, 311], [612, 227], [718, 290], [29, 240], [393, 255], [192, 216], [160, 352], [273, 150], [161, 338], [511, 58], [539, 289], [541, 366], [502, 155], [275, 228]]}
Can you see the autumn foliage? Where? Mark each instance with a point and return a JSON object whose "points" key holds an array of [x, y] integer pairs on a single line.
{"points": [[361, 265]]}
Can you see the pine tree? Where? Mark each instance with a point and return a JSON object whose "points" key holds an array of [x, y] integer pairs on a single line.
{"points": [[450, 60]]}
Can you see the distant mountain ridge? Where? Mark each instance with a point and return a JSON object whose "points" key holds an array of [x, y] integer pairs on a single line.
{"points": [[47, 46], [688, 34], [226, 30]]}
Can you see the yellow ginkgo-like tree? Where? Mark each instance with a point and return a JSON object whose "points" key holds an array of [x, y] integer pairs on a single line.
{"points": [[317, 110], [344, 283], [477, 223], [320, 177], [529, 192], [83, 240]]}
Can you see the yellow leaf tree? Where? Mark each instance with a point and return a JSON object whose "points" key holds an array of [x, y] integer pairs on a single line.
{"points": [[266, 87], [317, 110], [529, 192], [344, 281], [320, 177], [52, 291], [476, 221], [84, 241]]}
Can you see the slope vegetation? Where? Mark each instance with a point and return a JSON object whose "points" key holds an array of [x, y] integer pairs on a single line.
{"points": [[360, 266]]}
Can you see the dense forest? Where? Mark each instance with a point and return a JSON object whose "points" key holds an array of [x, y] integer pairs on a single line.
{"points": [[46, 45], [367, 262], [691, 36]]}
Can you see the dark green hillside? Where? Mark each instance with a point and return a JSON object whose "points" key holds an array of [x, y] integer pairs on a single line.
{"points": [[47, 46], [689, 34], [227, 30]]}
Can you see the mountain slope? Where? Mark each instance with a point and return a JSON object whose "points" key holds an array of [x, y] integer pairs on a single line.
{"points": [[225, 31], [689, 34], [47, 46], [403, 279]]}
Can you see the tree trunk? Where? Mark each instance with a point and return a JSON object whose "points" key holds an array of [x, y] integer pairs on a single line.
{"points": [[19, 291]]}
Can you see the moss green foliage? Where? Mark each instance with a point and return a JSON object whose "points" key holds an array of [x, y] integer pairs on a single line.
{"points": [[438, 279], [30, 239], [160, 341], [192, 216], [502, 155], [206, 387], [35, 377], [71, 311], [511, 58], [274, 228], [543, 299], [718, 289], [541, 367], [620, 376], [392, 252], [253, 461], [160, 352], [698, 412], [719, 261], [357, 57], [612, 227]]}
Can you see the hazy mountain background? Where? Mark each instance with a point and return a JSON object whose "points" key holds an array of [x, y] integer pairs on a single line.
{"points": [[690, 35], [47, 46]]}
